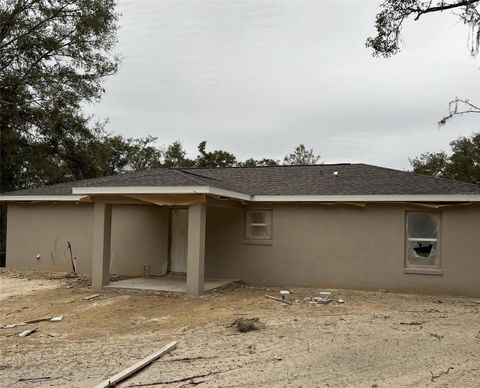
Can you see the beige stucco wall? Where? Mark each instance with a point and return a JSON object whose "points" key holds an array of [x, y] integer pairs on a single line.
{"points": [[313, 245], [139, 236], [45, 229], [344, 247]]}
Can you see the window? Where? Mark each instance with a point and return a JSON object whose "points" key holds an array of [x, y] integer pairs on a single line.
{"points": [[422, 245], [258, 226]]}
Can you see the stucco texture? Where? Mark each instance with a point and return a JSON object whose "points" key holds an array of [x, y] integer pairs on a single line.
{"points": [[344, 247], [329, 246], [139, 236]]}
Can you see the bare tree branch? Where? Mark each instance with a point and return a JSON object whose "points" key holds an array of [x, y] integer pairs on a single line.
{"points": [[458, 107]]}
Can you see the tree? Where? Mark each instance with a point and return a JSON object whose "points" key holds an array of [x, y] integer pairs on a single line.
{"points": [[265, 162], [217, 158], [389, 23], [459, 107], [175, 156], [301, 156], [393, 14], [54, 55], [463, 164]]}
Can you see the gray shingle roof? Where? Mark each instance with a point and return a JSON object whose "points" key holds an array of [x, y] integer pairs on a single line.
{"points": [[352, 179]]}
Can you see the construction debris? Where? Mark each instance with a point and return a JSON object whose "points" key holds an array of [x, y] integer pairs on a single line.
{"points": [[414, 323], [35, 379], [284, 294], [278, 299], [26, 333], [94, 296], [244, 325], [340, 300], [48, 319], [11, 326], [114, 380]]}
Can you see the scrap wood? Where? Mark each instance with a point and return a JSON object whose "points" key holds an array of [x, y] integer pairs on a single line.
{"points": [[432, 379], [190, 379], [115, 379], [278, 299], [90, 297], [414, 323], [39, 378], [26, 333], [11, 326], [49, 319]]}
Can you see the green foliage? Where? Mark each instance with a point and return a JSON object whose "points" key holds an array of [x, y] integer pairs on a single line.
{"points": [[463, 164], [215, 158], [265, 162], [176, 156], [393, 13], [54, 55], [301, 156]]}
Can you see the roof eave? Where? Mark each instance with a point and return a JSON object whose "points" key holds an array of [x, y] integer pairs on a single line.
{"points": [[80, 192]]}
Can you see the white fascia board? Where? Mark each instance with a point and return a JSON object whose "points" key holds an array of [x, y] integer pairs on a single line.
{"points": [[29, 198], [368, 198], [161, 190]]}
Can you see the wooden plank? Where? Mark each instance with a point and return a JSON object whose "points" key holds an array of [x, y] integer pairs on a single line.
{"points": [[26, 333], [90, 297], [115, 379], [277, 299]]}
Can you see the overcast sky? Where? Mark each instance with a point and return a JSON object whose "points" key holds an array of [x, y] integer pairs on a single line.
{"points": [[258, 78]]}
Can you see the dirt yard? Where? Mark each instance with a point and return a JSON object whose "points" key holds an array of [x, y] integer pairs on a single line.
{"points": [[374, 339]]}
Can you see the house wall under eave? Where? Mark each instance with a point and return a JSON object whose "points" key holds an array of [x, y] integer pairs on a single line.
{"points": [[344, 247], [139, 236]]}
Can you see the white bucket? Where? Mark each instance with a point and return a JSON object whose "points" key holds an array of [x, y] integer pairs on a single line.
{"points": [[284, 294]]}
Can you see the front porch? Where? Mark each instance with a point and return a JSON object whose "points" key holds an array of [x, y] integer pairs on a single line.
{"points": [[168, 283]]}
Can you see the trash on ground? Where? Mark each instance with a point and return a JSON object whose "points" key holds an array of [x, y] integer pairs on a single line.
{"points": [[46, 319], [115, 379], [12, 325], [26, 333], [244, 325], [284, 294], [323, 298], [94, 296], [277, 299]]}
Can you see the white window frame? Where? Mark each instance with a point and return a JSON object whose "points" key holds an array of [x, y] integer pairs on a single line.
{"points": [[435, 269], [261, 241]]}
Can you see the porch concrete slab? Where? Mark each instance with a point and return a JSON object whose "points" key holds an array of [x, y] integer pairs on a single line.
{"points": [[171, 283]]}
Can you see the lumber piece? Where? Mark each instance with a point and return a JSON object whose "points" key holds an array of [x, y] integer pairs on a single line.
{"points": [[115, 379], [26, 333], [277, 299], [90, 297]]}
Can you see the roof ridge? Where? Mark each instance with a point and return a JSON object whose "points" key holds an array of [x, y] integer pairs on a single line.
{"points": [[199, 175], [185, 175], [422, 175], [280, 165]]}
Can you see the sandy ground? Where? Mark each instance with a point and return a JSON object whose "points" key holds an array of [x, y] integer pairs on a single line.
{"points": [[368, 341]]}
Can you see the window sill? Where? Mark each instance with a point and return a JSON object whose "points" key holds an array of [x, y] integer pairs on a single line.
{"points": [[258, 242], [423, 271]]}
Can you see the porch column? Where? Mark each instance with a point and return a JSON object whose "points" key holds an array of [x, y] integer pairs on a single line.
{"points": [[196, 249], [102, 227]]}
